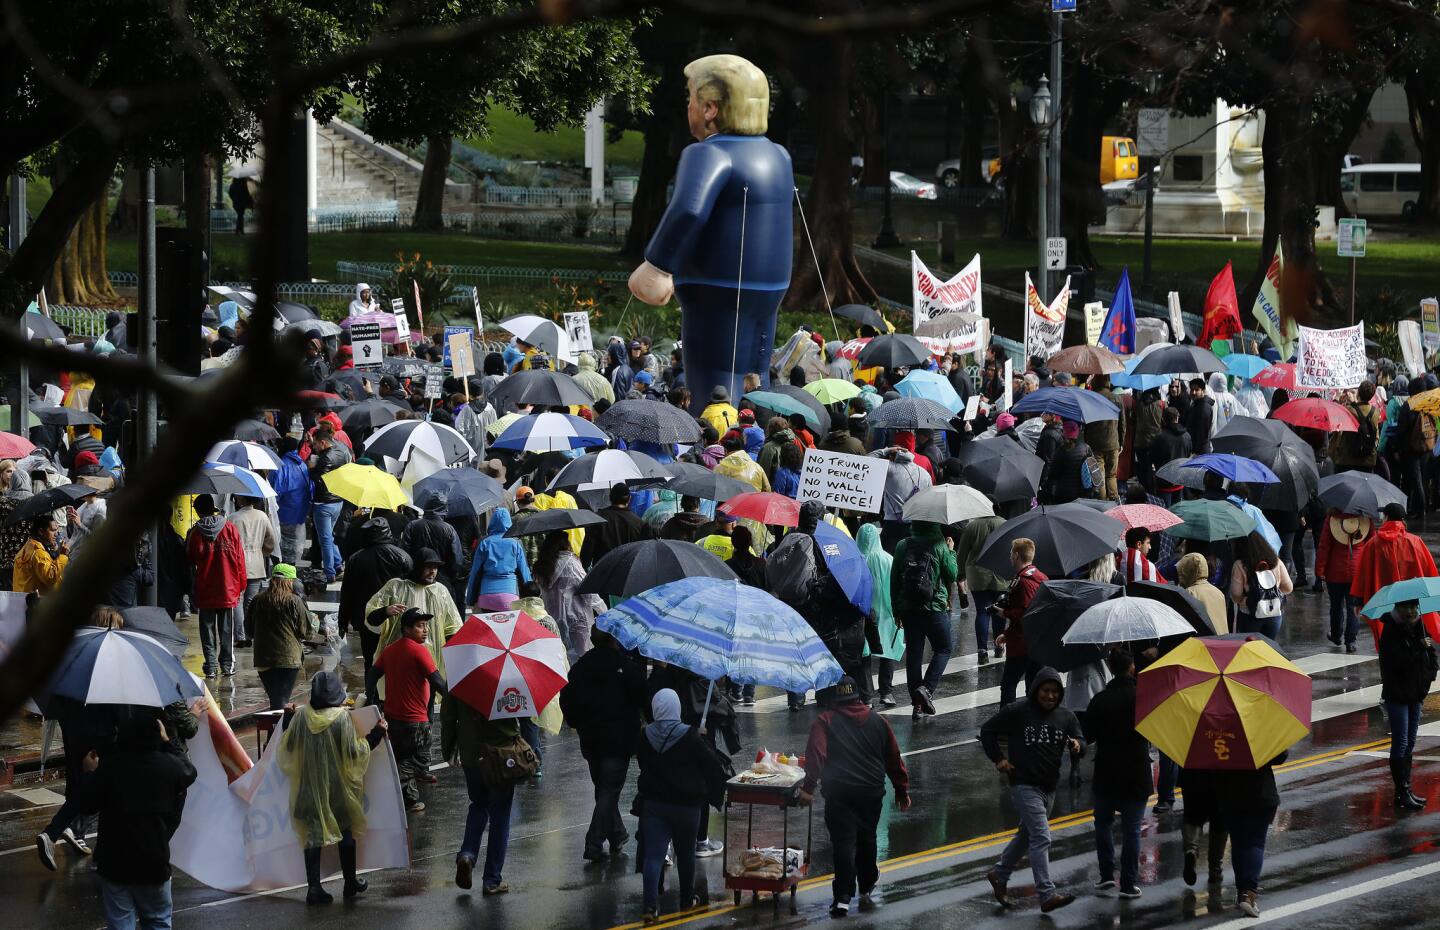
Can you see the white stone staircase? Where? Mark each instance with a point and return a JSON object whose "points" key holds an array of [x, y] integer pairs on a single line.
{"points": [[352, 168]]}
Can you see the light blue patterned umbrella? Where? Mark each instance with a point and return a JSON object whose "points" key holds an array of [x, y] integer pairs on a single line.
{"points": [[716, 628], [930, 386]]}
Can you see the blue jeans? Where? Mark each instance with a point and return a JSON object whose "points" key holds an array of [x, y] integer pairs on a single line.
{"points": [[292, 542], [1342, 612], [982, 601], [1268, 626], [1132, 814], [217, 643], [1404, 722], [325, 516], [1169, 777], [1033, 807], [922, 627], [660, 824], [492, 806], [128, 907], [1247, 845]]}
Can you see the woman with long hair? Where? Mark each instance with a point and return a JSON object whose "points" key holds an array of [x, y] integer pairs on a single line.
{"points": [[559, 574], [281, 621], [1259, 582]]}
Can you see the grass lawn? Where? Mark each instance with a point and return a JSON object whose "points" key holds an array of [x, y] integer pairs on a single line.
{"points": [[514, 136]]}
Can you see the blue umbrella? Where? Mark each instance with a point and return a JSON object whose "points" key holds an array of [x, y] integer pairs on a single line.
{"points": [[1138, 382], [718, 628], [121, 667], [930, 386], [1233, 467], [228, 479], [550, 432], [783, 405], [845, 562], [1072, 403], [1424, 590], [1245, 366], [249, 455]]}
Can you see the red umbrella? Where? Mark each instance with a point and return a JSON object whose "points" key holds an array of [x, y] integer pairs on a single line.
{"points": [[505, 665], [1317, 413], [1147, 515], [1279, 375], [764, 507], [14, 447]]}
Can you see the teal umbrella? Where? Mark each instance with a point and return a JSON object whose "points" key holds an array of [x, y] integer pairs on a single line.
{"points": [[785, 406], [1210, 520], [1424, 590]]}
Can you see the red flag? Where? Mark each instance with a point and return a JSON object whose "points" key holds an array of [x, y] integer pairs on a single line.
{"points": [[1222, 309]]}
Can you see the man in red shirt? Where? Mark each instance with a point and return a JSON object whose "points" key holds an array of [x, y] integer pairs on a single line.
{"points": [[410, 679], [1022, 590]]}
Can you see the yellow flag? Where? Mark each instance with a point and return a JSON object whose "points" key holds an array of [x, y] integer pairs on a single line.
{"points": [[1267, 308]]}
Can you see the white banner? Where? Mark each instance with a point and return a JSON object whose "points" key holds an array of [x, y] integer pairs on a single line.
{"points": [[1412, 346], [577, 329], [1331, 358], [1044, 325], [838, 479], [932, 297], [1007, 399], [238, 837]]}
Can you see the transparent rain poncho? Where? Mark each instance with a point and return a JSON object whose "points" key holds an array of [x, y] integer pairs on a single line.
{"points": [[325, 760]]}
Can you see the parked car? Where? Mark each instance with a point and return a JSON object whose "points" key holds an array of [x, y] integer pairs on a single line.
{"points": [[949, 171], [908, 185], [1384, 189]]}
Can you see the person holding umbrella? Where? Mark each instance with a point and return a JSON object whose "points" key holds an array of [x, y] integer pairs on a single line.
{"points": [[41, 562], [1408, 665], [1392, 554], [920, 593], [1335, 562]]}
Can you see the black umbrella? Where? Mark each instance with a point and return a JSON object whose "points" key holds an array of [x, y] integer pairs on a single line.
{"points": [[1178, 599], [468, 493], [292, 312], [539, 386], [1066, 536], [895, 351], [40, 326], [1273, 444], [550, 521], [254, 431], [47, 500], [155, 623], [809, 400], [1174, 472], [710, 486], [367, 415], [909, 413], [1179, 360], [1051, 613], [639, 566], [1093, 504], [1360, 492], [1000, 468], [404, 366], [865, 316], [649, 421], [52, 415]]}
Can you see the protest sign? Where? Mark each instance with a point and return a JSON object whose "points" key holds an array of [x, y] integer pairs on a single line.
{"points": [[445, 346], [1008, 398], [577, 331], [238, 836], [365, 343], [1267, 308], [402, 319], [433, 384], [1094, 319], [1331, 358], [1430, 324], [932, 297], [462, 354], [1411, 347], [1044, 325], [972, 407], [838, 479]]}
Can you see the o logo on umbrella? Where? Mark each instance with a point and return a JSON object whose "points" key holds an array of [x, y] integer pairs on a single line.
{"points": [[511, 702]]}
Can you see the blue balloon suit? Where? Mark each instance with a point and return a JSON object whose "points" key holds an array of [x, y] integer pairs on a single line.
{"points": [[723, 185]]}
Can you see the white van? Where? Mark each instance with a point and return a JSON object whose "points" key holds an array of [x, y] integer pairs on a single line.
{"points": [[1381, 189]]}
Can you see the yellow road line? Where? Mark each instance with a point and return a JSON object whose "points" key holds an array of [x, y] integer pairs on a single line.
{"points": [[987, 841]]}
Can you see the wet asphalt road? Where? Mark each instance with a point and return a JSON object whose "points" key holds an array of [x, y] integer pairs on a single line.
{"points": [[1338, 855]]}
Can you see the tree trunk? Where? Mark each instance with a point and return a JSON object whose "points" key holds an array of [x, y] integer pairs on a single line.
{"points": [[1423, 98], [1330, 153], [666, 133], [827, 208], [430, 200], [975, 106]]}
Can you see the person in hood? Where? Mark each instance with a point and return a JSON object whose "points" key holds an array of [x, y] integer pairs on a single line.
{"points": [[720, 413], [1226, 406], [560, 574], [889, 635], [591, 381], [754, 435], [1193, 574], [778, 435], [842, 439], [364, 301], [712, 452], [787, 477], [217, 556], [421, 589], [377, 562], [1027, 741], [920, 580], [1172, 443], [293, 494], [679, 776], [1408, 665], [326, 759], [498, 567], [903, 480], [850, 753], [431, 531], [1392, 554], [1122, 774], [622, 375], [257, 535]]}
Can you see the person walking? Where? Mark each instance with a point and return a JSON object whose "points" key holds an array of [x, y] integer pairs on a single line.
{"points": [[1018, 596], [621, 526], [1356, 450], [42, 560], [1027, 740], [850, 752], [888, 649], [920, 593], [411, 679], [1258, 585], [326, 455], [217, 558], [982, 585], [604, 700], [421, 589], [294, 494], [431, 531], [280, 621], [1248, 800], [498, 567], [679, 776], [560, 574], [1193, 573], [903, 480], [1070, 469], [258, 538], [1392, 554], [138, 788], [1200, 417], [379, 561], [325, 760], [1106, 438], [1122, 774], [1408, 665], [1335, 562]]}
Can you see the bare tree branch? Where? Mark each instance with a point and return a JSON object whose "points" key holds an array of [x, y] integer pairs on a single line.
{"points": [[123, 370]]}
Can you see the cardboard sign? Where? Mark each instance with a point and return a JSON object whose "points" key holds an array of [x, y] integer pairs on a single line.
{"points": [[1430, 324], [932, 297], [365, 343], [462, 354], [433, 385], [1331, 358], [577, 329], [445, 345], [972, 407], [1094, 319], [1044, 325], [402, 319], [838, 479], [1177, 319], [1411, 347]]}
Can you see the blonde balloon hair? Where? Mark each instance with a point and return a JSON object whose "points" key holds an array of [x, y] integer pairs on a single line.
{"points": [[738, 89]]}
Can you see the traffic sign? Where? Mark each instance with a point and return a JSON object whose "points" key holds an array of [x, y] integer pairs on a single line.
{"points": [[1055, 253], [1152, 131], [365, 345], [1350, 238]]}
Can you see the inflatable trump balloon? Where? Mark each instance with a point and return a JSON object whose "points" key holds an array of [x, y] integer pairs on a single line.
{"points": [[723, 247]]}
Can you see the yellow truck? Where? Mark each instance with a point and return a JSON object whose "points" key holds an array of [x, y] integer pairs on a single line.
{"points": [[1119, 161]]}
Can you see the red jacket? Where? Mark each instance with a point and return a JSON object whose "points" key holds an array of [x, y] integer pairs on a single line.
{"points": [[1391, 554], [219, 562], [1022, 592], [1334, 560]]}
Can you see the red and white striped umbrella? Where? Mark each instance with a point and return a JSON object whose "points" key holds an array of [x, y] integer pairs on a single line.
{"points": [[505, 665]]}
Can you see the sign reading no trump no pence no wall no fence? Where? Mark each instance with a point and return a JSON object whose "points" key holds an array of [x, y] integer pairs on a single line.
{"points": [[838, 479]]}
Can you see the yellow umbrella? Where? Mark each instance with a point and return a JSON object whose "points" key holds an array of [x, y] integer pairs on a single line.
{"points": [[365, 486], [498, 427], [1223, 703], [831, 390], [1426, 402]]}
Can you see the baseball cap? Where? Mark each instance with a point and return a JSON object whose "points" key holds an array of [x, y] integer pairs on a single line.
{"points": [[524, 494], [635, 344], [413, 616], [644, 377], [282, 571], [747, 416]]}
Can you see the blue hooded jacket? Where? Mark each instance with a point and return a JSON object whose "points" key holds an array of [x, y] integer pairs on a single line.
{"points": [[499, 564], [292, 490]]}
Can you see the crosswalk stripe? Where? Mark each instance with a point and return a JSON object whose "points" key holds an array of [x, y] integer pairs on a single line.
{"points": [[771, 705]]}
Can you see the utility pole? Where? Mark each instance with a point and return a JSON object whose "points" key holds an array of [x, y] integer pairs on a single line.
{"points": [[886, 237], [145, 347], [1040, 112], [20, 412], [1057, 73]]}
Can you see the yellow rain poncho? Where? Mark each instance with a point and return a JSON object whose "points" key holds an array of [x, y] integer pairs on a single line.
{"points": [[550, 718], [325, 760], [433, 599]]}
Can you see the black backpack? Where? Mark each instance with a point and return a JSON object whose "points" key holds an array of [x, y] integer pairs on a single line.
{"points": [[917, 573], [1362, 442]]}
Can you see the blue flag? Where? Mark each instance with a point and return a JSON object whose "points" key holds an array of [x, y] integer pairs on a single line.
{"points": [[1118, 332]]}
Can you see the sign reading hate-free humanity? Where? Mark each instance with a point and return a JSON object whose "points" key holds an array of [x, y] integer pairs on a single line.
{"points": [[838, 479]]}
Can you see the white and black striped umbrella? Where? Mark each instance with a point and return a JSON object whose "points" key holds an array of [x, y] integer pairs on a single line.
{"points": [[539, 332], [440, 442], [609, 467], [121, 667], [249, 455], [550, 432]]}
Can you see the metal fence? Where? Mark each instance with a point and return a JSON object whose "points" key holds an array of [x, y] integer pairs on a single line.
{"points": [[545, 227], [467, 276], [540, 196], [80, 321]]}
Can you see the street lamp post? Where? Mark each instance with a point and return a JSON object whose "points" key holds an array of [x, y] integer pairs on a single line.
{"points": [[1040, 116], [886, 237]]}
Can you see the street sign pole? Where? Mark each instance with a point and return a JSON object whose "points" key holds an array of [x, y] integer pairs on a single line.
{"points": [[1352, 290], [1057, 75]]}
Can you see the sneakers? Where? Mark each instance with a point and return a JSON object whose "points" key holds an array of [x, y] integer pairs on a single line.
{"points": [[415, 807], [1188, 872], [1055, 902], [1350, 648], [1164, 807], [464, 869], [888, 700], [76, 843], [923, 699], [46, 848], [867, 901], [1130, 893], [1105, 884], [839, 908], [1249, 904], [497, 888], [983, 656], [1000, 888], [707, 848]]}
